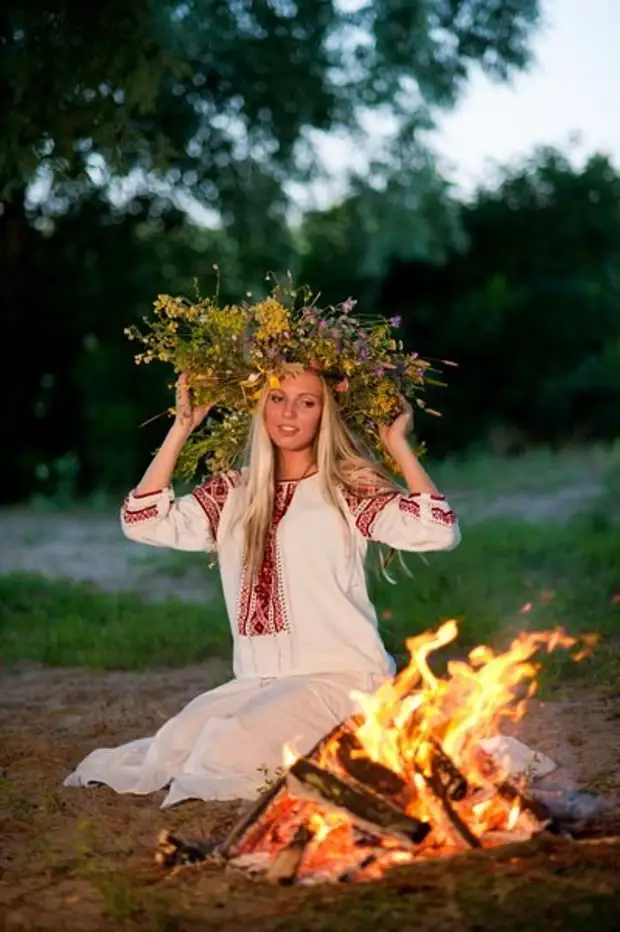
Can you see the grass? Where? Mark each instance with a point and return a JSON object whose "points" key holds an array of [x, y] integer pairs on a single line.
{"points": [[72, 624], [506, 576], [538, 471]]}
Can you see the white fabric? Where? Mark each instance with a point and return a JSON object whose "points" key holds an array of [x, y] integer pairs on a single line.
{"points": [[299, 651], [219, 744], [517, 759]]}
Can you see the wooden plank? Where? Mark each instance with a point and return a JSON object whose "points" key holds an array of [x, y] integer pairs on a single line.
{"points": [[366, 809], [260, 808], [285, 866]]}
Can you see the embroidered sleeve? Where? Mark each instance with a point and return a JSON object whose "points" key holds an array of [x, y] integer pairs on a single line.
{"points": [[190, 522], [414, 522]]}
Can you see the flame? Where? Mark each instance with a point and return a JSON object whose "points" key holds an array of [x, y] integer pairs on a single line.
{"points": [[289, 756], [513, 815], [428, 730], [408, 719]]}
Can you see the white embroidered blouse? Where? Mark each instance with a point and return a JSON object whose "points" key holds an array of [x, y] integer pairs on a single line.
{"points": [[308, 609]]}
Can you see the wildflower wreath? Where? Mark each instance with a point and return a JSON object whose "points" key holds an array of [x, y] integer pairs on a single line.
{"points": [[231, 352]]}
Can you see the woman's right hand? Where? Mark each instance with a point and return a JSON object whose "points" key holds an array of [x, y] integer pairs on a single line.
{"points": [[188, 416]]}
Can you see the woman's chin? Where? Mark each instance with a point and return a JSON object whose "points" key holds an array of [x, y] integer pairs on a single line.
{"points": [[290, 444]]}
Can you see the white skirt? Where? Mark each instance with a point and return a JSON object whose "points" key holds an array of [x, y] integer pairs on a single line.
{"points": [[220, 745]]}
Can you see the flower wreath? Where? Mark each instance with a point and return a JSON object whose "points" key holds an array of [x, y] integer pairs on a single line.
{"points": [[231, 352]]}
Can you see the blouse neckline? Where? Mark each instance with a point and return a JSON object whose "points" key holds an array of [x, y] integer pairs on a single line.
{"points": [[311, 475]]}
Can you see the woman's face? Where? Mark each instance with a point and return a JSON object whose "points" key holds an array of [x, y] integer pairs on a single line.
{"points": [[293, 411]]}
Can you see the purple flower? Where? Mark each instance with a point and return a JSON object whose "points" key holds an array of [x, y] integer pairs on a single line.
{"points": [[348, 305], [322, 324], [379, 372], [395, 321]]}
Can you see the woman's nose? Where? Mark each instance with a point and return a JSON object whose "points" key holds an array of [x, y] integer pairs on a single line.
{"points": [[290, 410]]}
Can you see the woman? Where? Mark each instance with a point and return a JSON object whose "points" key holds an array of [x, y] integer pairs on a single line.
{"points": [[291, 532]]}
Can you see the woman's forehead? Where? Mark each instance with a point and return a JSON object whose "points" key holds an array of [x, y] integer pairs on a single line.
{"points": [[303, 383]]}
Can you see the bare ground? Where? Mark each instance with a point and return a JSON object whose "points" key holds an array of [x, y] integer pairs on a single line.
{"points": [[83, 859], [91, 548]]}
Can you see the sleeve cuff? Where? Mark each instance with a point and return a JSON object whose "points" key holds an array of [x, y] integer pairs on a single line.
{"points": [[146, 505]]}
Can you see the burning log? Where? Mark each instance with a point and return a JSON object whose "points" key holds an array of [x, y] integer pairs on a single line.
{"points": [[512, 794], [350, 875], [253, 817], [173, 852], [371, 812], [435, 784], [285, 867], [354, 761], [270, 797], [454, 785]]}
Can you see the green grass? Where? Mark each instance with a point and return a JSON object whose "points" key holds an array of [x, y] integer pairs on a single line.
{"points": [[570, 574], [72, 624], [508, 576], [538, 471]]}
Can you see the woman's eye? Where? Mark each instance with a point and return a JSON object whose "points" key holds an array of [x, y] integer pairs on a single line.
{"points": [[308, 404], [276, 399]]}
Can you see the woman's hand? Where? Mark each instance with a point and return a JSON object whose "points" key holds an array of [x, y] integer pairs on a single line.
{"points": [[188, 416], [394, 436]]}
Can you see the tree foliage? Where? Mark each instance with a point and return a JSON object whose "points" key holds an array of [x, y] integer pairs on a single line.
{"points": [[211, 94], [117, 118], [531, 309]]}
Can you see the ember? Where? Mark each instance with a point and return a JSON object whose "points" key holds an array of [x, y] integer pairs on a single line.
{"points": [[413, 776]]}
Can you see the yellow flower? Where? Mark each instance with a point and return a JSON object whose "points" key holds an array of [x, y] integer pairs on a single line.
{"points": [[273, 319]]}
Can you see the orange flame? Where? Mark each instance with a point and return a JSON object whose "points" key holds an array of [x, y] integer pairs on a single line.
{"points": [[411, 716], [418, 723]]}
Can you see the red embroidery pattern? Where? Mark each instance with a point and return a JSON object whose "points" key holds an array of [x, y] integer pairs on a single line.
{"points": [[367, 508], [212, 495], [443, 516], [262, 606], [141, 514], [367, 504], [410, 505], [148, 494]]}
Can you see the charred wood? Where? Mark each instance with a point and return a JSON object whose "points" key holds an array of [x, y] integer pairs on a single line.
{"points": [[366, 808]]}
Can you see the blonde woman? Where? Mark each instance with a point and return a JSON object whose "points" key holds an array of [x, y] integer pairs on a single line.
{"points": [[291, 532]]}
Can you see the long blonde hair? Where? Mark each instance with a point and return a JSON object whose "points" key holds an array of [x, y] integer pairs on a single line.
{"points": [[341, 463]]}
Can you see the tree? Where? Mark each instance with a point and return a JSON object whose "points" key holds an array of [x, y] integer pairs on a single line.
{"points": [[207, 95], [149, 106], [530, 310]]}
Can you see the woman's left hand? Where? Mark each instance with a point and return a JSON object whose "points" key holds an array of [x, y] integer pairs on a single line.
{"points": [[393, 436]]}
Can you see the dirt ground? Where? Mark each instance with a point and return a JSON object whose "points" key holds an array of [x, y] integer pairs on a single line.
{"points": [[83, 859]]}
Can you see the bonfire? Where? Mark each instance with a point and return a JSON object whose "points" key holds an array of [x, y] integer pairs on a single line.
{"points": [[411, 776]]}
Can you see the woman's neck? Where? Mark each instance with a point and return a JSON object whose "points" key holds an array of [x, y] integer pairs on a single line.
{"points": [[294, 464]]}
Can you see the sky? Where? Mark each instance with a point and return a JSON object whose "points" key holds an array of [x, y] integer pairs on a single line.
{"points": [[569, 98], [571, 90]]}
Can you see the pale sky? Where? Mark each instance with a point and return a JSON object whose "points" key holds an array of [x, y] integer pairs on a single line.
{"points": [[573, 87], [569, 98]]}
